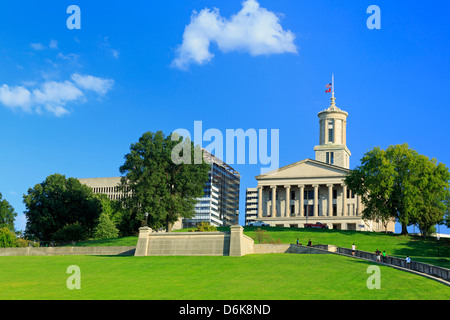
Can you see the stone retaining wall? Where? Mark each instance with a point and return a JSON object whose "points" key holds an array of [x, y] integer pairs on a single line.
{"points": [[429, 269], [51, 251], [233, 243]]}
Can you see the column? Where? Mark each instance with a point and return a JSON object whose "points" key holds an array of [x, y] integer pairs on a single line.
{"points": [[344, 199], [301, 203], [260, 208], [330, 200], [288, 201], [316, 200], [358, 205], [274, 201]]}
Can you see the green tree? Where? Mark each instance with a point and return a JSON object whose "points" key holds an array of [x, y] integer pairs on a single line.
{"points": [[58, 202], [398, 183], [447, 210], [105, 228], [7, 238], [431, 193], [158, 183], [7, 214]]}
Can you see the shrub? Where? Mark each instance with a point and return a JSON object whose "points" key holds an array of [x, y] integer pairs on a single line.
{"points": [[205, 226], [105, 228], [261, 235], [7, 238]]}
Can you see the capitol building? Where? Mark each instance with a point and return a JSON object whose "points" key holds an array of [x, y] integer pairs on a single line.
{"points": [[313, 190]]}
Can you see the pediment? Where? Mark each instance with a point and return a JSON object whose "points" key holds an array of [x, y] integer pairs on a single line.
{"points": [[307, 168]]}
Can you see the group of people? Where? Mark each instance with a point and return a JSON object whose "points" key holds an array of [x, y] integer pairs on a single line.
{"points": [[380, 256], [309, 243]]}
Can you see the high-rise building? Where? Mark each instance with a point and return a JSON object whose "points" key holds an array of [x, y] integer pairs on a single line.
{"points": [[251, 205], [220, 203]]}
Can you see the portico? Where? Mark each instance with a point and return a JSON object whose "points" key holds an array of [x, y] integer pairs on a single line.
{"points": [[287, 201]]}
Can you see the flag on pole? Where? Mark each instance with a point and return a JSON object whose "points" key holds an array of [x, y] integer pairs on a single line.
{"points": [[329, 88], [329, 85]]}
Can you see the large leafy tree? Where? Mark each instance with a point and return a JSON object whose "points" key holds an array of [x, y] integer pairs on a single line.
{"points": [[398, 183], [7, 214], [57, 204], [431, 192], [162, 176]]}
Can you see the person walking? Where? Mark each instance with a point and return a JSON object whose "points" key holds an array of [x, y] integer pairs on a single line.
{"points": [[384, 256], [408, 262], [353, 249], [378, 255]]}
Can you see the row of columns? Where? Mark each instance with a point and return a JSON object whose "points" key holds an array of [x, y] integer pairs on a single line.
{"points": [[302, 200]]}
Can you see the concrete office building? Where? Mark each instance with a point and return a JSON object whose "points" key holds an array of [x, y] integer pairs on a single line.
{"points": [[108, 186], [251, 205], [311, 191]]}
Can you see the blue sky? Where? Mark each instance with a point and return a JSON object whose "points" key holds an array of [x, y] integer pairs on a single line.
{"points": [[73, 100]]}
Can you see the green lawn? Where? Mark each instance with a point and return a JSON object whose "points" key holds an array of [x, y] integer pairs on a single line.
{"points": [[419, 249], [252, 277]]}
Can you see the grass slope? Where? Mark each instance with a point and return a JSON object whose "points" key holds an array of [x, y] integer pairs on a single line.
{"points": [[262, 277], [418, 248]]}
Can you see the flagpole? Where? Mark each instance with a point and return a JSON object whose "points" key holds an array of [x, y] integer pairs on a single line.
{"points": [[332, 85]]}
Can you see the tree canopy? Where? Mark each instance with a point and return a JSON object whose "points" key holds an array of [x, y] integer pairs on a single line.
{"points": [[7, 214], [398, 183], [59, 206], [158, 184]]}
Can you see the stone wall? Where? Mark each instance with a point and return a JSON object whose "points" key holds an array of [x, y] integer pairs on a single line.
{"points": [[425, 268], [232, 243], [62, 251]]}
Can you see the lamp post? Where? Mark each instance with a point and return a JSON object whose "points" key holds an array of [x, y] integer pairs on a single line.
{"points": [[146, 219], [438, 236]]}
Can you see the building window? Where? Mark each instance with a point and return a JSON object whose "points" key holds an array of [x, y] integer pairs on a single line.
{"points": [[330, 157], [350, 194], [309, 194], [330, 131], [309, 210]]}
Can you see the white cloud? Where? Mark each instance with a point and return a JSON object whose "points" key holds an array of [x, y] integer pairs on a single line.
{"points": [[52, 96], [52, 92], [254, 30], [16, 97], [37, 46], [53, 44], [99, 85]]}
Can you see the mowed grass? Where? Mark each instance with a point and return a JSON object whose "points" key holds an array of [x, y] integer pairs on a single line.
{"points": [[251, 277], [420, 249], [417, 248]]}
